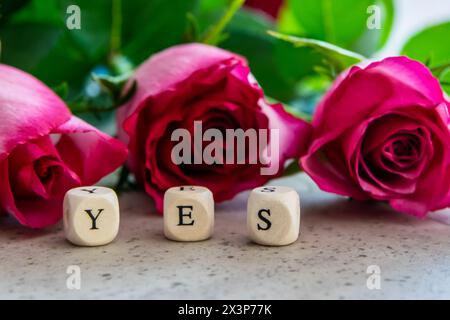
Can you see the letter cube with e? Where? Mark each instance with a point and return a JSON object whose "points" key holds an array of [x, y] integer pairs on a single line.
{"points": [[188, 213], [273, 216], [91, 216]]}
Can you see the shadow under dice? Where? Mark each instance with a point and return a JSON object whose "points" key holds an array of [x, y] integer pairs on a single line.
{"points": [[188, 213], [91, 216], [273, 216]]}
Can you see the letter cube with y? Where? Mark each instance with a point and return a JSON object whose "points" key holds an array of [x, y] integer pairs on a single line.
{"points": [[188, 213], [273, 216], [91, 216]]}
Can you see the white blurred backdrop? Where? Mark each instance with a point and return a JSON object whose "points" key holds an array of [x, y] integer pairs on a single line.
{"points": [[411, 17]]}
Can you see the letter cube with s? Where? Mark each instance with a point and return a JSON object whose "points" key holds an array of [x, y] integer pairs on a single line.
{"points": [[273, 216], [91, 216], [188, 213]]}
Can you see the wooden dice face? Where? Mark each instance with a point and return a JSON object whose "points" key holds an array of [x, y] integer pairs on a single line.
{"points": [[188, 213], [91, 216], [273, 216]]}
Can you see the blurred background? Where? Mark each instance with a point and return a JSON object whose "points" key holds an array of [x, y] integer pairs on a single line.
{"points": [[411, 17], [87, 66]]}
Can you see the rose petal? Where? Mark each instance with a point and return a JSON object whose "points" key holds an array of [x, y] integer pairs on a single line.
{"points": [[412, 74], [389, 90], [34, 212], [28, 109], [23, 177], [169, 68], [88, 152]]}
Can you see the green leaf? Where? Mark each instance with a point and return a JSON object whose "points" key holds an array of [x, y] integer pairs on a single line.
{"points": [[287, 22], [323, 19], [388, 21], [337, 58], [248, 37], [62, 90], [40, 11], [431, 47], [374, 39], [331, 36], [212, 5], [36, 39], [445, 80], [153, 25], [343, 22], [9, 7], [310, 66], [19, 39]]}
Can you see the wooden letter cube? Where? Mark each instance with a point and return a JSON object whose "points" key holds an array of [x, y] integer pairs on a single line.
{"points": [[91, 216], [188, 213], [273, 216]]}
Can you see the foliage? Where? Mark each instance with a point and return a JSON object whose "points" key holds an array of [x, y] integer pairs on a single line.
{"points": [[295, 58]]}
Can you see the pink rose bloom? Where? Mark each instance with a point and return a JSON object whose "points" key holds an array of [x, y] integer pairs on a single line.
{"points": [[45, 151], [382, 132], [196, 82]]}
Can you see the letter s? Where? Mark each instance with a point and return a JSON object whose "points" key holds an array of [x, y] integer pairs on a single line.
{"points": [[264, 219]]}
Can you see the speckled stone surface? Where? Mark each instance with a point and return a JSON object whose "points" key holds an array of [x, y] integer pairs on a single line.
{"points": [[339, 240]]}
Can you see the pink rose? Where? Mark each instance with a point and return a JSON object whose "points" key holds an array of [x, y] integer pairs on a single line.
{"points": [[196, 82], [382, 132], [44, 150]]}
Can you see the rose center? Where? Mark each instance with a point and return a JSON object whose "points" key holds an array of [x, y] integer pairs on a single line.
{"points": [[404, 149], [43, 171], [47, 170]]}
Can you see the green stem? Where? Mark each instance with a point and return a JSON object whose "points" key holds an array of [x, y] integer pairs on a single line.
{"points": [[116, 28], [80, 107], [213, 34], [123, 179]]}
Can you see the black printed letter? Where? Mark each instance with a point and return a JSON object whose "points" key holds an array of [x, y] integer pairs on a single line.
{"points": [[89, 191], [264, 219], [181, 215], [94, 219]]}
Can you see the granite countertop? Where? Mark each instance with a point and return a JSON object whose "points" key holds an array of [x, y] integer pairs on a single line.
{"points": [[339, 240]]}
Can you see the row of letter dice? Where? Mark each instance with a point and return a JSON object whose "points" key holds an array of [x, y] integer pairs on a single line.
{"points": [[91, 215], [273, 215]]}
